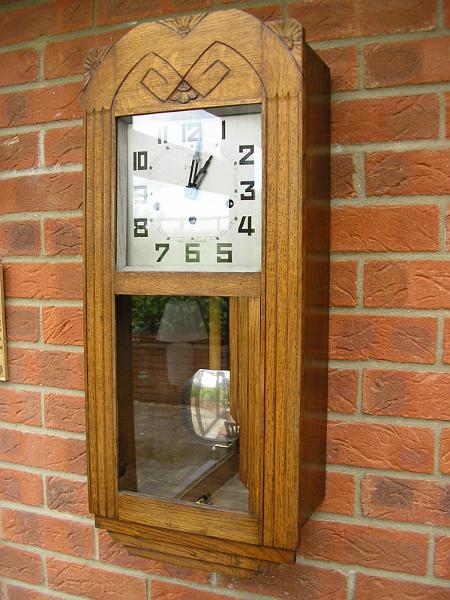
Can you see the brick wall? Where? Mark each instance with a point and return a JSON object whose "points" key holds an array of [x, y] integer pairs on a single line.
{"points": [[383, 531]]}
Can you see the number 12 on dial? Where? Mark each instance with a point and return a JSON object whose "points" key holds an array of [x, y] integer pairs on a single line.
{"points": [[189, 191]]}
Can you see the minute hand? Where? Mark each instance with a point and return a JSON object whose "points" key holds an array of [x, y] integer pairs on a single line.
{"points": [[201, 174]]}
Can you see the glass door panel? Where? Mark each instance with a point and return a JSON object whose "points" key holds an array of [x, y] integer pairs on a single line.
{"points": [[178, 432]]}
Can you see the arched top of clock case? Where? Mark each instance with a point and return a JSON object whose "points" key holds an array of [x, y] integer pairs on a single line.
{"points": [[220, 58]]}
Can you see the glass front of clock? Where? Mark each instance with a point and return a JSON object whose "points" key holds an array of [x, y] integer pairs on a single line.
{"points": [[178, 429], [189, 190]]}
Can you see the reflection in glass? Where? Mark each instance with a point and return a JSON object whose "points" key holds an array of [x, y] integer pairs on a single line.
{"points": [[178, 438]]}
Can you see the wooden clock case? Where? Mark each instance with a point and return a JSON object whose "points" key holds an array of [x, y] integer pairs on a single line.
{"points": [[278, 318]]}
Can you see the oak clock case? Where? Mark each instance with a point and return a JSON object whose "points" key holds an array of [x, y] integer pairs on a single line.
{"points": [[206, 282]]}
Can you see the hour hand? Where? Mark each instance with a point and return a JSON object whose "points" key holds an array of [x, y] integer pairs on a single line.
{"points": [[201, 174]]}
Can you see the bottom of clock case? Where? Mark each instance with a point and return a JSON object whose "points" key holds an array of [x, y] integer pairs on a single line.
{"points": [[195, 551]]}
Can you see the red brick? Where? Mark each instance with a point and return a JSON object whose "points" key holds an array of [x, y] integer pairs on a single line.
{"points": [[56, 534], [406, 63], [406, 394], [20, 593], [66, 495], [342, 170], [18, 66], [343, 65], [19, 238], [67, 58], [328, 19], [445, 451], [447, 220], [343, 283], [401, 284], [442, 557], [116, 11], [446, 355], [49, 18], [164, 590], [63, 237], [44, 280], [339, 494], [379, 588], [114, 553], [447, 13], [64, 412], [342, 390], [399, 339], [22, 323], [411, 173], [18, 151], [39, 367], [265, 13], [64, 146], [381, 446], [410, 500], [385, 228], [19, 406], [385, 119], [83, 580], [44, 451], [293, 582], [62, 325], [59, 191], [19, 486], [390, 549], [41, 105], [19, 564]]}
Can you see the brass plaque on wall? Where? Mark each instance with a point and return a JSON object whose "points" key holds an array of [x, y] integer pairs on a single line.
{"points": [[3, 356]]}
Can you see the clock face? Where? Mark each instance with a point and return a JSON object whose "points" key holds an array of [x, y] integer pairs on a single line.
{"points": [[193, 191]]}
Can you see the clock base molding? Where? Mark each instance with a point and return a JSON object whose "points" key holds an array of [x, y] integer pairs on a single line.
{"points": [[235, 559]]}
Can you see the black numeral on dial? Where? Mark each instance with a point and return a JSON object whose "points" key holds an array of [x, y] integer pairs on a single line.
{"points": [[243, 229], [249, 192], [250, 150], [192, 253], [165, 250], [140, 228], [140, 161], [224, 253]]}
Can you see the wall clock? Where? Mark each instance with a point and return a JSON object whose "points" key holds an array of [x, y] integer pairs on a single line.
{"points": [[207, 258]]}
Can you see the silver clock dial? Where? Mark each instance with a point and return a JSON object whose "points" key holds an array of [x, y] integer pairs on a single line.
{"points": [[193, 191]]}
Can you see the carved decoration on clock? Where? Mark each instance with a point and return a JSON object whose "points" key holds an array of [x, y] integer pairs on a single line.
{"points": [[291, 32], [184, 93], [92, 62], [182, 26], [166, 83]]}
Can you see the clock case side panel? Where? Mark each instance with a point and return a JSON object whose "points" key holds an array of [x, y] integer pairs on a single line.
{"points": [[316, 267], [99, 312], [295, 288]]}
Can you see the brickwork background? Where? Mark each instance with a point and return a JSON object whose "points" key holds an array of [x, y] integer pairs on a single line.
{"points": [[383, 532]]}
